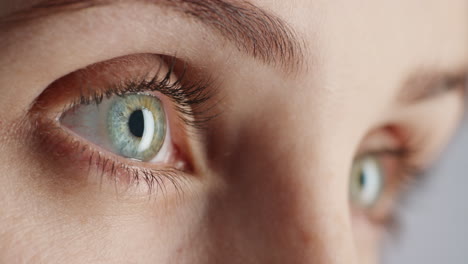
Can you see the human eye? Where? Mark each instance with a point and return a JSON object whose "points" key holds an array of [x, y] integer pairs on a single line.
{"points": [[379, 175], [131, 119], [394, 157], [132, 125]]}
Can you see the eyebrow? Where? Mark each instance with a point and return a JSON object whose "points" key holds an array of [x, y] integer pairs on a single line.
{"points": [[252, 30], [425, 84]]}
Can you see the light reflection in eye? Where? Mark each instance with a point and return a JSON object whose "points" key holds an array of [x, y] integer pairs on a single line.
{"points": [[367, 182]]}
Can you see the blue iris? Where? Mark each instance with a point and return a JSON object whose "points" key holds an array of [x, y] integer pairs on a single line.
{"points": [[136, 125]]}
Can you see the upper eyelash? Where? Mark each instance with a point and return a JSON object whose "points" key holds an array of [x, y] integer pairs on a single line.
{"points": [[189, 96], [411, 172]]}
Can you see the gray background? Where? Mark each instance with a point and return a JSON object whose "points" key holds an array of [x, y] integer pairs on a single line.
{"points": [[435, 217]]}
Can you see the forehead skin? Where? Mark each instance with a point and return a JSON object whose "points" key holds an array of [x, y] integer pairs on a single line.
{"points": [[368, 48], [359, 55], [356, 40]]}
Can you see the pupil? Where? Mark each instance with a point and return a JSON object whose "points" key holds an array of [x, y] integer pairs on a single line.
{"points": [[136, 123], [362, 179]]}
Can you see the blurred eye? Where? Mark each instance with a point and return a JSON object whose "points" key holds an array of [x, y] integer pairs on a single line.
{"points": [[367, 182], [380, 175], [133, 126]]}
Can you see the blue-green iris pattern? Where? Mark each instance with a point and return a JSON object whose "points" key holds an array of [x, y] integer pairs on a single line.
{"points": [[136, 125]]}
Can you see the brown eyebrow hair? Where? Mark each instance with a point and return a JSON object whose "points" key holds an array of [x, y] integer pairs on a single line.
{"points": [[252, 30], [425, 84]]}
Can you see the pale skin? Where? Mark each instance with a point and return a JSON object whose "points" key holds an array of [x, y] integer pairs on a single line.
{"points": [[273, 168]]}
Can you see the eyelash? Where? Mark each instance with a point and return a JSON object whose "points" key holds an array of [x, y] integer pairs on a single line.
{"points": [[190, 98], [408, 168]]}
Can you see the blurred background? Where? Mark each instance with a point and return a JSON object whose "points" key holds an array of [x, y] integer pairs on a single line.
{"points": [[434, 219]]}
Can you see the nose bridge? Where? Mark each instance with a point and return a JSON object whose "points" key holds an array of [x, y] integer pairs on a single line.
{"points": [[286, 202]]}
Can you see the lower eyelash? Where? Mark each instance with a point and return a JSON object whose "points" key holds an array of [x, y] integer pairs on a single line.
{"points": [[64, 147]]}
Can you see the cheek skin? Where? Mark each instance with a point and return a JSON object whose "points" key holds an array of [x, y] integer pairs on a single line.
{"points": [[269, 201], [367, 240], [81, 231], [283, 190], [49, 215]]}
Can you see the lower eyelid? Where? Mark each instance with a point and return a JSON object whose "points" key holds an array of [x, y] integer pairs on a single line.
{"points": [[80, 159]]}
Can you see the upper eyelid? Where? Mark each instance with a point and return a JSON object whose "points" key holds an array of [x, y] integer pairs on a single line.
{"points": [[195, 99]]}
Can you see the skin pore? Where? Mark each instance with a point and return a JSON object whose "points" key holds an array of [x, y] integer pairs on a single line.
{"points": [[300, 94]]}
